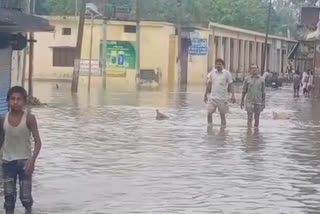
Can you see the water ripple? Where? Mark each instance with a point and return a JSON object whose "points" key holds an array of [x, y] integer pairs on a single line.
{"points": [[109, 155]]}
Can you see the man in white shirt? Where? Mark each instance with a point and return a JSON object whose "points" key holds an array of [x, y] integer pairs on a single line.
{"points": [[310, 84], [305, 80], [266, 77], [219, 84]]}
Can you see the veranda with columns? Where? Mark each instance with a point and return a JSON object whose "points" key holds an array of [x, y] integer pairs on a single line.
{"points": [[240, 48]]}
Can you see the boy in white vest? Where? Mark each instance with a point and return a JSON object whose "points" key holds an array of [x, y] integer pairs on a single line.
{"points": [[18, 161]]}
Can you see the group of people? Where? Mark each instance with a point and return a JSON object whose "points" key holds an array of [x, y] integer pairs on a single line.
{"points": [[219, 85], [16, 127], [305, 81]]}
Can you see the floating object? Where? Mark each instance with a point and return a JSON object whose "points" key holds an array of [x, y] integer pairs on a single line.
{"points": [[161, 116], [57, 86], [280, 116], [33, 101]]}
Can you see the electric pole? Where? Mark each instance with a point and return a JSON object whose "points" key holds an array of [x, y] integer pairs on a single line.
{"points": [[266, 39], [76, 5], [76, 69], [104, 47], [31, 53], [90, 53], [138, 18], [179, 31]]}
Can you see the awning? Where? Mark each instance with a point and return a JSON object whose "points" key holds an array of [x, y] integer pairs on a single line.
{"points": [[15, 21], [293, 51]]}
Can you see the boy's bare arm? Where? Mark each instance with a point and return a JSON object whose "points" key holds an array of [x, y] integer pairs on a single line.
{"points": [[33, 126], [208, 91]]}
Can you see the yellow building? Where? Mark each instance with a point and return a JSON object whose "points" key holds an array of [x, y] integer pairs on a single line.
{"points": [[54, 52], [240, 48], [194, 55]]}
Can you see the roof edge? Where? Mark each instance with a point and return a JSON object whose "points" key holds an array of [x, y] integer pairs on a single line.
{"points": [[250, 32]]}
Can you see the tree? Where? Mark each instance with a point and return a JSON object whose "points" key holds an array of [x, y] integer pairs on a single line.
{"points": [[249, 14], [56, 8]]}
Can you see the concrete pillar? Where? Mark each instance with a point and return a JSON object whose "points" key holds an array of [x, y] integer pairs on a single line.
{"points": [[242, 52], [273, 58], [267, 58], [235, 55], [228, 51], [213, 51], [254, 53], [280, 55], [247, 58], [259, 54], [316, 79], [280, 60], [220, 47]]}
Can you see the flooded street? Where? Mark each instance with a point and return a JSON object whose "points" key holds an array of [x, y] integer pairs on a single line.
{"points": [[106, 154]]}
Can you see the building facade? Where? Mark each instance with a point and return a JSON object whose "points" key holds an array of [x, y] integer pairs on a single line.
{"points": [[14, 25], [240, 48], [54, 52]]}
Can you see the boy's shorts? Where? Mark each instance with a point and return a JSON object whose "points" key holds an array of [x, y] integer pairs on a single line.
{"points": [[254, 108], [221, 105]]}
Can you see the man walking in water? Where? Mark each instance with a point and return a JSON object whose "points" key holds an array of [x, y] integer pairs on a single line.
{"points": [[18, 162], [254, 90], [310, 84], [219, 84], [296, 83], [305, 80]]}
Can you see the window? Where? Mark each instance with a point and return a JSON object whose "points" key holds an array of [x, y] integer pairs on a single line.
{"points": [[66, 31], [63, 56], [130, 29]]}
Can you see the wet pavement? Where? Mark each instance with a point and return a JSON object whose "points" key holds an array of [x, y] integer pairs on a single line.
{"points": [[107, 154]]}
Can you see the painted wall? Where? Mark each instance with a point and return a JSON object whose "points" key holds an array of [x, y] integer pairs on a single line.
{"points": [[154, 46], [198, 64], [43, 54], [158, 50]]}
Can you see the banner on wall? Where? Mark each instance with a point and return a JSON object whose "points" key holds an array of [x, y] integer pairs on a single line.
{"points": [[84, 67], [119, 54], [5, 78], [199, 46]]}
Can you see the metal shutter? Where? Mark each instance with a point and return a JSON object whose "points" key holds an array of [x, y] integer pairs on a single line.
{"points": [[5, 78]]}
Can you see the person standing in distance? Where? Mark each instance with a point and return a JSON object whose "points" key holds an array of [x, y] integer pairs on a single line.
{"points": [[254, 92]]}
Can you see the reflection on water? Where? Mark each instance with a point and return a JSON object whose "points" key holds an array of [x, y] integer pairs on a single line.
{"points": [[108, 154]]}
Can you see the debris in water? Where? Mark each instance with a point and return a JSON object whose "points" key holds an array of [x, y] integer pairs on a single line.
{"points": [[280, 116], [160, 116]]}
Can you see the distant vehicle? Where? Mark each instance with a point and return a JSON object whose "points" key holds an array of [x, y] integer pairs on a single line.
{"points": [[149, 77], [274, 81]]}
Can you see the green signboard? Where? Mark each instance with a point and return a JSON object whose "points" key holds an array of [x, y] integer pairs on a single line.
{"points": [[119, 54]]}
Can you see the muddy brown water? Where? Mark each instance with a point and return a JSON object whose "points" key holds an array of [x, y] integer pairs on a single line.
{"points": [[107, 154]]}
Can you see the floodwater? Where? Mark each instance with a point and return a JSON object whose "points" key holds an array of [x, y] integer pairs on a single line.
{"points": [[106, 154]]}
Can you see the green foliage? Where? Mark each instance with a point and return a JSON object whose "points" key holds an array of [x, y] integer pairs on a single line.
{"points": [[249, 14], [56, 7]]}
